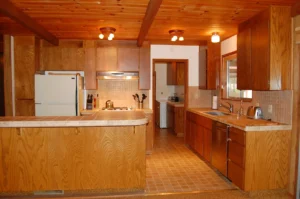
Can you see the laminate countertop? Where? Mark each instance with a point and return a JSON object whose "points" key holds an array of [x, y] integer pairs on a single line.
{"points": [[176, 104], [242, 122], [100, 118]]}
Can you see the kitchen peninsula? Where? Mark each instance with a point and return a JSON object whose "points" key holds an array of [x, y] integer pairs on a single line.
{"points": [[103, 152]]}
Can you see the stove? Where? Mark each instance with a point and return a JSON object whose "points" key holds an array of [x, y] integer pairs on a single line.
{"points": [[116, 109]]}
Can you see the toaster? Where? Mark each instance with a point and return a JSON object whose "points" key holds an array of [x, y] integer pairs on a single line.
{"points": [[254, 112]]}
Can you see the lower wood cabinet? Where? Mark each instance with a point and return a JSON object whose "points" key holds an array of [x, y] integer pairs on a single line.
{"points": [[149, 133], [175, 119], [199, 134]]}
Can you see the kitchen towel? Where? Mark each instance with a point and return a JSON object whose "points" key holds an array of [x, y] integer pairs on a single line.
{"points": [[214, 102]]}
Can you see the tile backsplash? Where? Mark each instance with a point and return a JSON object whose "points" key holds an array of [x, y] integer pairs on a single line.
{"points": [[199, 98], [120, 92], [281, 102]]}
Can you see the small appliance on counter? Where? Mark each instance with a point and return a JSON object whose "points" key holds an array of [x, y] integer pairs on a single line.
{"points": [[255, 112], [173, 98], [89, 102]]}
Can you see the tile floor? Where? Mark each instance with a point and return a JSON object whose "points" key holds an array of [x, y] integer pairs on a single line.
{"points": [[172, 167]]}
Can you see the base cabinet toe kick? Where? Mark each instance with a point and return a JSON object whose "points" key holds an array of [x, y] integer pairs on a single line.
{"points": [[252, 160]]}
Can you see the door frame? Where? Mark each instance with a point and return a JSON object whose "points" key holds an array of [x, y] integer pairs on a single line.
{"points": [[186, 85]]}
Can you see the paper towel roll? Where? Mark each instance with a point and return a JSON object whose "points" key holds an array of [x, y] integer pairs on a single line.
{"points": [[215, 102]]}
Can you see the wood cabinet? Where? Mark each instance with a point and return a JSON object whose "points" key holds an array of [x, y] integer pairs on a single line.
{"points": [[258, 160], [90, 65], [144, 68], [175, 73], [107, 59], [263, 56], [209, 66], [236, 157], [199, 134], [69, 55], [128, 59], [149, 133], [175, 119], [157, 113], [25, 66]]}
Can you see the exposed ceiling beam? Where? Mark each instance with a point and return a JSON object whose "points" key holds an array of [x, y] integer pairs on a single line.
{"points": [[296, 9], [11, 11], [151, 12]]}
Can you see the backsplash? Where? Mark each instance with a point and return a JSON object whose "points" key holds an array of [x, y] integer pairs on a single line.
{"points": [[281, 102], [120, 92], [199, 98]]}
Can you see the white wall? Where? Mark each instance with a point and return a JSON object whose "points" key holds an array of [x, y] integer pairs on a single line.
{"points": [[163, 91], [177, 52], [229, 45]]}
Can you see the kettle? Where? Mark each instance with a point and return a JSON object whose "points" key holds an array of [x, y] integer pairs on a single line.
{"points": [[109, 104], [254, 112]]}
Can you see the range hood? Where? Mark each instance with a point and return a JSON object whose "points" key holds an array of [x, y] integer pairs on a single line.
{"points": [[117, 75]]}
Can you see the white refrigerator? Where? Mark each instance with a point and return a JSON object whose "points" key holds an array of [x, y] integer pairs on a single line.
{"points": [[58, 95]]}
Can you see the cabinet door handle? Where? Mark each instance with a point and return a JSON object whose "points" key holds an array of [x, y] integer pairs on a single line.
{"points": [[229, 140]]}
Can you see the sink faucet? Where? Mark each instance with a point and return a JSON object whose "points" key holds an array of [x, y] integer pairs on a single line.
{"points": [[230, 107]]}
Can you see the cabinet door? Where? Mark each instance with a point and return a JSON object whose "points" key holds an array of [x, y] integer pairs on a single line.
{"points": [[199, 139], [128, 59], [244, 56], [207, 134], [149, 133], [106, 59], [202, 68], [180, 73], [157, 114], [193, 130], [260, 51], [90, 65], [144, 68], [187, 129], [213, 65], [179, 120], [171, 73]]}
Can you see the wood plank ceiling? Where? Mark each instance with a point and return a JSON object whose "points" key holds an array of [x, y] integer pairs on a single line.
{"points": [[81, 19]]}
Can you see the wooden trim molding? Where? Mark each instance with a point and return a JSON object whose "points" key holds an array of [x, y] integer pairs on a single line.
{"points": [[10, 10], [151, 12]]}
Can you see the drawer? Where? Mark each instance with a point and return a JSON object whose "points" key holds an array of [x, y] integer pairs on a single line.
{"points": [[236, 174], [237, 135], [236, 153], [204, 121]]}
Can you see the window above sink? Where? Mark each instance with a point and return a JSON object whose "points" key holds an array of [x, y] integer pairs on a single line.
{"points": [[229, 79]]}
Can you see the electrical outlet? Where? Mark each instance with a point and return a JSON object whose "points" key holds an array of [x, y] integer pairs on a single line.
{"points": [[270, 107], [161, 93]]}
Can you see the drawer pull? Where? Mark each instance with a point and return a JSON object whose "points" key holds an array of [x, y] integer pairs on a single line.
{"points": [[229, 140]]}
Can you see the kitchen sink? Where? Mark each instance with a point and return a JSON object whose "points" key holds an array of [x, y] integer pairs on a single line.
{"points": [[216, 113]]}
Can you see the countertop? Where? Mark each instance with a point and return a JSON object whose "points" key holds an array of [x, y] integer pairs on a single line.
{"points": [[243, 122], [176, 104], [93, 111], [100, 118]]}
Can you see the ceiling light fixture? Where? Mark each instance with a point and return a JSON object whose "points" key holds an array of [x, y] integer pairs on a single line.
{"points": [[107, 32], [176, 34], [215, 37]]}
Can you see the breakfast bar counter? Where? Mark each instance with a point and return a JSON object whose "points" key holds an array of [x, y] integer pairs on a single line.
{"points": [[103, 152]]}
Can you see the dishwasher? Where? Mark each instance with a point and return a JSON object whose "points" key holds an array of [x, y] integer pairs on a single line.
{"points": [[219, 146]]}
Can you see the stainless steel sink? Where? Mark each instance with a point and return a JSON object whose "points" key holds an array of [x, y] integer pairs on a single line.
{"points": [[216, 113]]}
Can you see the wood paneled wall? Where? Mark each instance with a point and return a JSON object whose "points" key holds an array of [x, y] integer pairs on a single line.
{"points": [[8, 101]]}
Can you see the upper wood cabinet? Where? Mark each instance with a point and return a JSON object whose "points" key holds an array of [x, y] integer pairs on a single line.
{"points": [[107, 59], [90, 65], [69, 55], [175, 73], [209, 66], [144, 68], [264, 51], [128, 59]]}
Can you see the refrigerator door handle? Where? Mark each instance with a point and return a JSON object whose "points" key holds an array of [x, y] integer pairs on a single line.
{"points": [[38, 103], [76, 96]]}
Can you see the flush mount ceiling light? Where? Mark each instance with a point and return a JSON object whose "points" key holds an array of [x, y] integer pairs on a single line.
{"points": [[215, 37], [107, 32], [176, 34]]}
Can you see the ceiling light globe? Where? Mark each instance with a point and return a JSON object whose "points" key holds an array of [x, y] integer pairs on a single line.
{"points": [[181, 38], [215, 38], [111, 35], [174, 38], [109, 38], [101, 36]]}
